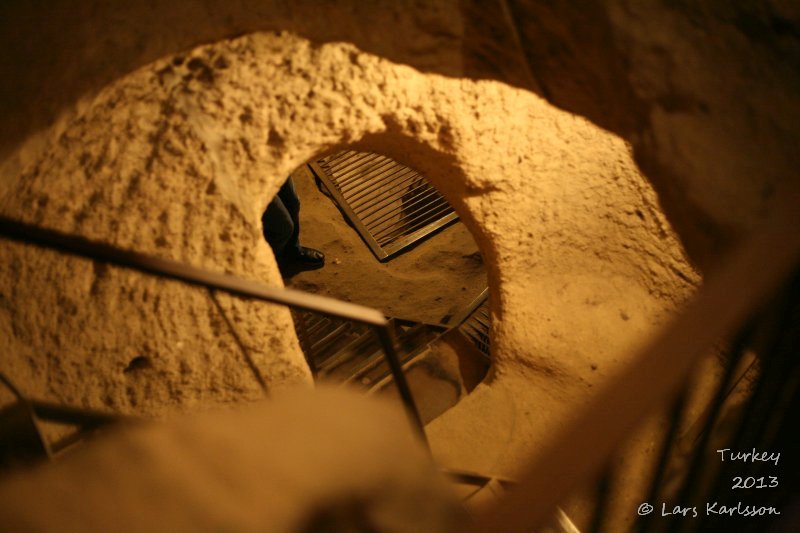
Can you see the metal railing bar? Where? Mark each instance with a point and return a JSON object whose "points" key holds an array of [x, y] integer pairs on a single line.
{"points": [[30, 234], [603, 499], [387, 341], [675, 419], [690, 487]]}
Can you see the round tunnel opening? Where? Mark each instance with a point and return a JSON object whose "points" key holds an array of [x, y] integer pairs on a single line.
{"points": [[392, 242]]}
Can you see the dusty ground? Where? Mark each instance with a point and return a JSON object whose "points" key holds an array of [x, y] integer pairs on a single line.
{"points": [[427, 283]]}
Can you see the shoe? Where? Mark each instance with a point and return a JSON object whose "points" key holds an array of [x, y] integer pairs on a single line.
{"points": [[306, 259]]}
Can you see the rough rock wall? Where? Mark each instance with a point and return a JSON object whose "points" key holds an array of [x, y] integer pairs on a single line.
{"points": [[146, 166], [180, 157], [51, 57], [706, 93]]}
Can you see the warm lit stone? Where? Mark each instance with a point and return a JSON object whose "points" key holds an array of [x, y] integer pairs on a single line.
{"points": [[180, 157]]}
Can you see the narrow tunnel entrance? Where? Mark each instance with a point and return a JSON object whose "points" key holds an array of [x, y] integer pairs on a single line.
{"points": [[395, 244]]}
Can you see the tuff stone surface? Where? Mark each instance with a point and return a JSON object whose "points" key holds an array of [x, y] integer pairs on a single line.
{"points": [[180, 158], [583, 264], [704, 93]]}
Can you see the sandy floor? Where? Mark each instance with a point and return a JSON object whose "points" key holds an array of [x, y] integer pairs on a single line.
{"points": [[429, 282]]}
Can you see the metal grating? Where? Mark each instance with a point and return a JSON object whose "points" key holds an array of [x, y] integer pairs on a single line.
{"points": [[476, 324], [390, 205], [343, 351]]}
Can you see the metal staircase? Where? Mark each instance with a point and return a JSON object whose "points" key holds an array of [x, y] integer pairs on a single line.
{"points": [[348, 352]]}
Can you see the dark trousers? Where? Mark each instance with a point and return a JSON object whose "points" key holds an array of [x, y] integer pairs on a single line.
{"points": [[281, 221]]}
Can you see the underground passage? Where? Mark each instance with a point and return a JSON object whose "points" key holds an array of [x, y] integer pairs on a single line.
{"points": [[557, 270], [436, 297]]}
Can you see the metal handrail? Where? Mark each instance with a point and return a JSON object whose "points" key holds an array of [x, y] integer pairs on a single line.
{"points": [[75, 245]]}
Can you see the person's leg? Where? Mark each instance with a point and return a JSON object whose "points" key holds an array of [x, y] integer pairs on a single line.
{"points": [[278, 227], [291, 202], [281, 222]]}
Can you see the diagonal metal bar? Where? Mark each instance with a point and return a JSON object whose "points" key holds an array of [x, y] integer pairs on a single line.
{"points": [[30, 234], [23, 232]]}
